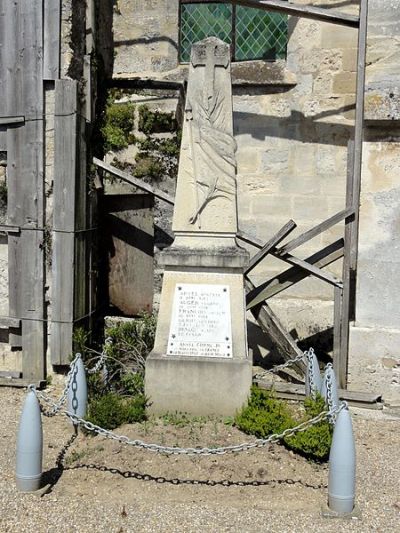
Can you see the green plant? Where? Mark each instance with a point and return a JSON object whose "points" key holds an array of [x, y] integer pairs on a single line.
{"points": [[265, 415], [316, 441], [112, 410], [80, 341], [155, 121], [118, 125]]}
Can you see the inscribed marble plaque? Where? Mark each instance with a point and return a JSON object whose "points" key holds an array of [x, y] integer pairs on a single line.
{"points": [[201, 321]]}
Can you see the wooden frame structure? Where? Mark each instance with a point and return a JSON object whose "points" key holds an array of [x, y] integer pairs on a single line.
{"points": [[30, 48]]}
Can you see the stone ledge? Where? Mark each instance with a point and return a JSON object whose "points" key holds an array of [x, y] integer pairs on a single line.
{"points": [[245, 73]]}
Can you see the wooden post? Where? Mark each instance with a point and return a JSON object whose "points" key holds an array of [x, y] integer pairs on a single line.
{"points": [[25, 151], [51, 39], [65, 196]]}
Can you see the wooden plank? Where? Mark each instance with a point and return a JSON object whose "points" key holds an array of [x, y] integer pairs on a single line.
{"points": [[337, 329], [6, 228], [249, 239], [9, 121], [349, 280], [312, 269], [21, 383], [129, 224], [128, 178], [10, 375], [317, 230], [51, 39], [25, 156], [299, 10], [276, 239], [291, 391], [290, 277], [9, 322], [30, 192], [272, 326], [65, 197]]}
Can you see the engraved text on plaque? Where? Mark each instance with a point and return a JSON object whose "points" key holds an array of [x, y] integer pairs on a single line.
{"points": [[201, 321]]}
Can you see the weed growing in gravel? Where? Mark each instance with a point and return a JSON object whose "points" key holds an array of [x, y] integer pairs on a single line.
{"points": [[265, 415]]}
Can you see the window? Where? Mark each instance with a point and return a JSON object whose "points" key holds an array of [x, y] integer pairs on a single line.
{"points": [[253, 33]]}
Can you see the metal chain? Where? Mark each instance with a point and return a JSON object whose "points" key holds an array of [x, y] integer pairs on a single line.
{"points": [[176, 450], [71, 382], [309, 358], [329, 397], [56, 406], [278, 368], [101, 361]]}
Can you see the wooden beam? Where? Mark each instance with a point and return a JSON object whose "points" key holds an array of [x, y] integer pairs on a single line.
{"points": [[9, 322], [312, 269], [272, 326], [290, 277], [349, 280], [128, 178], [317, 230], [9, 121], [65, 204], [51, 39], [337, 331], [6, 228], [21, 383], [299, 10], [249, 239], [291, 391], [276, 239]]}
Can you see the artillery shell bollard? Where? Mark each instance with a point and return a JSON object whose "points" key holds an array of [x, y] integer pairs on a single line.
{"points": [[77, 391], [342, 466], [29, 446]]}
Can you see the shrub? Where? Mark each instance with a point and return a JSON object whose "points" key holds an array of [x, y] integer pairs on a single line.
{"points": [[316, 441], [112, 410], [155, 121], [118, 126], [265, 415]]}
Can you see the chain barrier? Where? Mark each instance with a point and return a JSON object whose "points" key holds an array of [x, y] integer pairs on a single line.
{"points": [[71, 382], [278, 368], [176, 450]]}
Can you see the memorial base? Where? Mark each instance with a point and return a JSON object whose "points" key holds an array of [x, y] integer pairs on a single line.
{"points": [[197, 385]]}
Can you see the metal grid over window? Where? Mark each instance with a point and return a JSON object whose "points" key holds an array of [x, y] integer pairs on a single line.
{"points": [[253, 33]]}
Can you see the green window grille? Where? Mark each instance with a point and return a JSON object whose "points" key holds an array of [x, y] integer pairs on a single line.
{"points": [[253, 33]]}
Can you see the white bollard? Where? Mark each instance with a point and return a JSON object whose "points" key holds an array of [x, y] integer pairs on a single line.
{"points": [[316, 375], [29, 446], [342, 466], [77, 391]]}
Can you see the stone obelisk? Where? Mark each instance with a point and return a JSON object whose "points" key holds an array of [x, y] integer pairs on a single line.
{"points": [[200, 362]]}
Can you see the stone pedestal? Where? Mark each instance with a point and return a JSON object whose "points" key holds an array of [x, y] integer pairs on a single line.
{"points": [[199, 384]]}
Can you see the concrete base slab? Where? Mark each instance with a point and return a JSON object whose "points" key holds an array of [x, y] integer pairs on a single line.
{"points": [[355, 514], [197, 385]]}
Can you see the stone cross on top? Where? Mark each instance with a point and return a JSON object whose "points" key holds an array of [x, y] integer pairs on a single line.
{"points": [[206, 188]]}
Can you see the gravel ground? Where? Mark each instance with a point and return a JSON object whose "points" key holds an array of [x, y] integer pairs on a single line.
{"points": [[100, 487]]}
